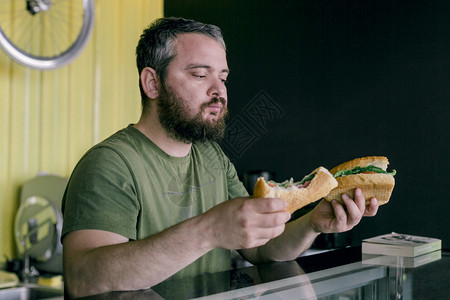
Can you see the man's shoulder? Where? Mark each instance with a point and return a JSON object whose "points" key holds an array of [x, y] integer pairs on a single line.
{"points": [[119, 146], [122, 137], [124, 140]]}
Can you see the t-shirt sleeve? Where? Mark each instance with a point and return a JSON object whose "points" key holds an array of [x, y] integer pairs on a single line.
{"points": [[101, 195]]}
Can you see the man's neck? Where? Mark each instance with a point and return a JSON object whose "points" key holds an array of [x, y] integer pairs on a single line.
{"points": [[150, 126]]}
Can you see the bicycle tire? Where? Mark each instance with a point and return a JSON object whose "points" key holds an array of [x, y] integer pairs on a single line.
{"points": [[25, 58]]}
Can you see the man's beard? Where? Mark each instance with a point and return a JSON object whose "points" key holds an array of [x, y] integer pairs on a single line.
{"points": [[175, 119]]}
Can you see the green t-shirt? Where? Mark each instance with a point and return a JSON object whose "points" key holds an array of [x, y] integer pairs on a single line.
{"points": [[128, 185]]}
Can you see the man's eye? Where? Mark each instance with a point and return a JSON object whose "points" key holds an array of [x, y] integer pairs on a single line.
{"points": [[200, 76]]}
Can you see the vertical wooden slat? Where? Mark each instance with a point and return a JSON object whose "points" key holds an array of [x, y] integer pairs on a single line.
{"points": [[34, 94], [53, 142], [24, 130], [20, 164], [107, 60], [7, 208], [129, 98], [80, 94]]}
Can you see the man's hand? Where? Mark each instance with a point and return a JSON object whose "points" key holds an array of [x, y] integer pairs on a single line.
{"points": [[299, 234], [248, 222], [335, 217]]}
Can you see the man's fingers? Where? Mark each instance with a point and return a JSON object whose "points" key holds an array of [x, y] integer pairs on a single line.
{"points": [[365, 210], [266, 205], [266, 220], [262, 219], [372, 209], [355, 208], [340, 215], [261, 236], [274, 219], [360, 200]]}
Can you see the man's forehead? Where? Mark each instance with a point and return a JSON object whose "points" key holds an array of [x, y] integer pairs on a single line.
{"points": [[198, 50], [194, 39]]}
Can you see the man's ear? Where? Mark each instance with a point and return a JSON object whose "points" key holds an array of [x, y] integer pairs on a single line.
{"points": [[150, 82]]}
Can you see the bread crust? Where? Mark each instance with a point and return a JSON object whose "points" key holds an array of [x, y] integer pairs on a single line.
{"points": [[379, 186], [377, 161], [322, 183]]}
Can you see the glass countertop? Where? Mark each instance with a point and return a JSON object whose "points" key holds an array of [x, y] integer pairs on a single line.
{"points": [[343, 274]]}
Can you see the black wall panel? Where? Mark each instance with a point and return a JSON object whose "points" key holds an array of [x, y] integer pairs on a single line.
{"points": [[321, 82]]}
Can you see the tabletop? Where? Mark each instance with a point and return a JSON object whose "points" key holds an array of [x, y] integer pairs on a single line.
{"points": [[339, 274]]}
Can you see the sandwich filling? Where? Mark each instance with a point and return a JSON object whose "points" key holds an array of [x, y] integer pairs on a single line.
{"points": [[367, 170], [290, 184]]}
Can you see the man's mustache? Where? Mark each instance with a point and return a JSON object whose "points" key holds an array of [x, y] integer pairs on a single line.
{"points": [[214, 101]]}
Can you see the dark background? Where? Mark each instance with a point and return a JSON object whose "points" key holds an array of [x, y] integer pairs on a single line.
{"points": [[322, 82]]}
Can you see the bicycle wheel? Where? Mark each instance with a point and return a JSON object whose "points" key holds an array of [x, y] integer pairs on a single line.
{"points": [[45, 34]]}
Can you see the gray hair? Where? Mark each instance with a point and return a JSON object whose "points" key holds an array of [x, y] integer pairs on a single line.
{"points": [[156, 47]]}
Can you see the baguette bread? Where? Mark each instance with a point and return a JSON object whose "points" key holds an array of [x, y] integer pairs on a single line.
{"points": [[297, 197], [378, 185]]}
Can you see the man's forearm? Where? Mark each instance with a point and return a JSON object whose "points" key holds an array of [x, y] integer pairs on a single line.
{"points": [[137, 264], [96, 263]]}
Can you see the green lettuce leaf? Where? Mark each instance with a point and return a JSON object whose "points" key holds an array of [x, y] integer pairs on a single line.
{"points": [[307, 178], [357, 170]]}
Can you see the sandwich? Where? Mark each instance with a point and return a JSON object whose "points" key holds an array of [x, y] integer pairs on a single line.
{"points": [[311, 188], [367, 173]]}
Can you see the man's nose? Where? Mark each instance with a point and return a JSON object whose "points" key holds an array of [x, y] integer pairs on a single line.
{"points": [[217, 89]]}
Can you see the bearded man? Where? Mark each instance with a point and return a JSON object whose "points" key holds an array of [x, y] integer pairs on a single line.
{"points": [[159, 198]]}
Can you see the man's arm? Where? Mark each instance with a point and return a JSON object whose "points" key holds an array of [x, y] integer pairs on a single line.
{"points": [[300, 234], [98, 261]]}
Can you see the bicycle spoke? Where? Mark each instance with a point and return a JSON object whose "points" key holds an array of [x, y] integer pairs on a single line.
{"points": [[48, 37]]}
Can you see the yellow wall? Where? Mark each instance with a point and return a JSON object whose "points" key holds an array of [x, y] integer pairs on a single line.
{"points": [[48, 119]]}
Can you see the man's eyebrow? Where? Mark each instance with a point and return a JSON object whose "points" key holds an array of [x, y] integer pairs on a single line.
{"points": [[200, 66]]}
